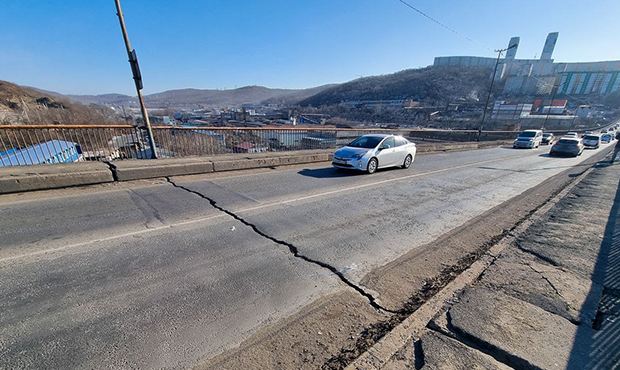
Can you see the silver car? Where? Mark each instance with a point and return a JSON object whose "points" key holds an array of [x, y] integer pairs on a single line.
{"points": [[567, 146], [371, 152]]}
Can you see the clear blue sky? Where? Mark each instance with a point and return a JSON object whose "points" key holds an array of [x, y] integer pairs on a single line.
{"points": [[75, 46]]}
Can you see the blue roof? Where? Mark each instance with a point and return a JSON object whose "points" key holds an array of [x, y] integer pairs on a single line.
{"points": [[36, 154]]}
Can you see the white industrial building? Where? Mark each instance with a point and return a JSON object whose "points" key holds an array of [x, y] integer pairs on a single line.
{"points": [[542, 76]]}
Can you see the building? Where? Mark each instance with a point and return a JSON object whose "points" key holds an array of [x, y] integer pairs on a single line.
{"points": [[503, 110], [247, 147], [543, 76], [53, 151]]}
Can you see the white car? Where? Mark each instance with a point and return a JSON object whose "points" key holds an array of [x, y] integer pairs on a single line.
{"points": [[592, 141], [528, 139], [371, 152]]}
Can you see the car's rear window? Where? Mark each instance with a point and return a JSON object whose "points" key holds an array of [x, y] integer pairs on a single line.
{"points": [[547, 135], [570, 142], [591, 137], [527, 134]]}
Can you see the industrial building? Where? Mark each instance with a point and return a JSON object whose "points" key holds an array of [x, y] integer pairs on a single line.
{"points": [[542, 76]]}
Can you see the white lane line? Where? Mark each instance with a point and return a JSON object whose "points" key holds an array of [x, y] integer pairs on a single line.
{"points": [[249, 209]]}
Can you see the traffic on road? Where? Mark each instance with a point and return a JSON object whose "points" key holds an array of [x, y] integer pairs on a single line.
{"points": [[570, 144]]}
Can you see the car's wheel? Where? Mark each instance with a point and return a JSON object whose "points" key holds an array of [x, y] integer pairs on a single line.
{"points": [[407, 162], [372, 165]]}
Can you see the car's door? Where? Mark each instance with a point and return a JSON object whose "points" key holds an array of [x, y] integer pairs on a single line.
{"points": [[401, 150], [386, 155]]}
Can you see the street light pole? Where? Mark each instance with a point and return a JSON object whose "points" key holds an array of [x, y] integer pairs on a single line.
{"points": [[137, 77], [484, 112]]}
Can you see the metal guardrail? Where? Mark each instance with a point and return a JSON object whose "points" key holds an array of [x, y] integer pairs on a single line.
{"points": [[47, 144]]}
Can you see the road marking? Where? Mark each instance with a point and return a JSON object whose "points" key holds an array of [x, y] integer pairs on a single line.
{"points": [[249, 209]]}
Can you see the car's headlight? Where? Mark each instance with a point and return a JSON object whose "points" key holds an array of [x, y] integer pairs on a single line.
{"points": [[358, 156]]}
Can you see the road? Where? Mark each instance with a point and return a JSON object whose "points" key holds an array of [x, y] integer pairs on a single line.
{"points": [[169, 273]]}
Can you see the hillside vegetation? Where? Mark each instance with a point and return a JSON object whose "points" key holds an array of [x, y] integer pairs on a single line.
{"points": [[432, 85], [24, 105]]}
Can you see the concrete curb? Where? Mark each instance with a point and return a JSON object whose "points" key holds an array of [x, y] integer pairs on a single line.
{"points": [[29, 178]]}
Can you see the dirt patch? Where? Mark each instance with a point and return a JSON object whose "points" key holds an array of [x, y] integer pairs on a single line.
{"points": [[305, 340]]}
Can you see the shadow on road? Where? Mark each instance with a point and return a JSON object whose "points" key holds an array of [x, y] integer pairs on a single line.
{"points": [[328, 172], [597, 344]]}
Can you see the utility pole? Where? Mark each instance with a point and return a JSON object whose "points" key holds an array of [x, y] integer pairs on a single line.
{"points": [[484, 112], [137, 77], [553, 92]]}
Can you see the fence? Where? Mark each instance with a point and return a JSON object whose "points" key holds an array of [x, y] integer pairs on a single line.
{"points": [[42, 144], [46, 144]]}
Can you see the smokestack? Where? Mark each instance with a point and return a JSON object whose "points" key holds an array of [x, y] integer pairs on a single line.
{"points": [[547, 52], [513, 45]]}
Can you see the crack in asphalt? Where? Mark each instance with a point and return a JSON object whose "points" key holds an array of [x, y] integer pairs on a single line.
{"points": [[536, 254], [291, 248], [556, 290]]}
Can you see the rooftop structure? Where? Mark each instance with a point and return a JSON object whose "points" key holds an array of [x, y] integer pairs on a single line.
{"points": [[53, 151]]}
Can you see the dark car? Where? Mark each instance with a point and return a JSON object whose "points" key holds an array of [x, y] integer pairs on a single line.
{"points": [[567, 146], [548, 138]]}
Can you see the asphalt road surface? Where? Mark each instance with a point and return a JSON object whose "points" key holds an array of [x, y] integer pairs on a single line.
{"points": [[167, 274]]}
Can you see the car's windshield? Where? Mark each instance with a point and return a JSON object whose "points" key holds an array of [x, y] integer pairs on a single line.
{"points": [[547, 135], [366, 142], [527, 134], [591, 137]]}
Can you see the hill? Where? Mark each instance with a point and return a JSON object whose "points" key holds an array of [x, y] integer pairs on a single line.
{"points": [[434, 85], [26, 105], [116, 100], [233, 97], [192, 98]]}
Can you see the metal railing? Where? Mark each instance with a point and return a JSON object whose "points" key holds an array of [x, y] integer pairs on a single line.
{"points": [[47, 144]]}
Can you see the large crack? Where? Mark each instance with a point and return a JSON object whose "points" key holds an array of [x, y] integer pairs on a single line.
{"points": [[536, 254], [556, 290], [499, 354], [291, 248]]}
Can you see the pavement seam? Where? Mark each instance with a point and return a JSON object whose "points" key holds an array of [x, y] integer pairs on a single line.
{"points": [[112, 168], [291, 248]]}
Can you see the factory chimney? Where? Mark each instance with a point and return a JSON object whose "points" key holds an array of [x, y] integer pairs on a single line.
{"points": [[547, 52], [512, 48]]}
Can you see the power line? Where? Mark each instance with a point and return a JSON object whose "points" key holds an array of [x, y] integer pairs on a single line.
{"points": [[441, 24]]}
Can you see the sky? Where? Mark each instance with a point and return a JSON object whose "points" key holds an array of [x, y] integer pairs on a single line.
{"points": [[76, 47]]}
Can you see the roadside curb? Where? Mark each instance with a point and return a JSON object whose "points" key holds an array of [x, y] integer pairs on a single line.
{"points": [[30, 178], [379, 355], [42, 177]]}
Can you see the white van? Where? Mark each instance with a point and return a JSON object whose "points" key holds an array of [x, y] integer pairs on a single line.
{"points": [[528, 139]]}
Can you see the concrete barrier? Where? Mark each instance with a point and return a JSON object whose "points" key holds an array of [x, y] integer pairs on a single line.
{"points": [[147, 169], [28, 178]]}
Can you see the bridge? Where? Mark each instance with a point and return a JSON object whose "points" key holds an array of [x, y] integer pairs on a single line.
{"points": [[267, 258]]}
